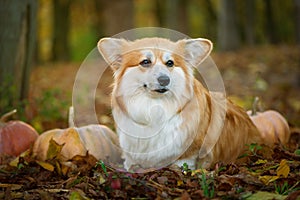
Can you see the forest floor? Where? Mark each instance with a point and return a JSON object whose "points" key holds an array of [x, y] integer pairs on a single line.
{"points": [[269, 72]]}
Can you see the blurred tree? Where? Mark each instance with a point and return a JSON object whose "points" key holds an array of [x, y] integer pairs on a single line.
{"points": [[17, 42], [176, 15], [98, 26], [270, 23], [61, 29], [173, 14], [249, 22], [117, 16], [159, 12], [211, 19], [297, 8], [228, 35]]}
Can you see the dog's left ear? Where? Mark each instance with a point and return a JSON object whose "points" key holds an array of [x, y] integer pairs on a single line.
{"points": [[111, 50], [197, 50]]}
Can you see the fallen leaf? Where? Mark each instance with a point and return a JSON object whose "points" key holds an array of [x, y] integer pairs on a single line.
{"points": [[116, 184], [101, 179], [162, 180], [226, 182], [179, 183], [260, 161], [185, 196], [64, 168], [283, 169], [46, 165], [268, 179], [15, 162], [11, 186], [77, 196], [266, 196], [54, 149], [198, 171]]}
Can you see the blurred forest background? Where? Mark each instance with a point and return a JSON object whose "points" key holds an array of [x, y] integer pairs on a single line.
{"points": [[43, 43]]}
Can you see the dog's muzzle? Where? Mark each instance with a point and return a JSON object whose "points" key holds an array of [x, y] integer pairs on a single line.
{"points": [[163, 81], [161, 86]]}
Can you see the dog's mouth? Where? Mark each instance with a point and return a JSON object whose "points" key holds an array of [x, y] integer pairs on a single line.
{"points": [[159, 90], [162, 90]]}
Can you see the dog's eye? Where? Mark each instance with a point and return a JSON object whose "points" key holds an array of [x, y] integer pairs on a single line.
{"points": [[169, 63], [146, 63]]}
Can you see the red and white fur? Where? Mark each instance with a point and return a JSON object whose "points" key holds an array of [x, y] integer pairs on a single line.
{"points": [[163, 114]]}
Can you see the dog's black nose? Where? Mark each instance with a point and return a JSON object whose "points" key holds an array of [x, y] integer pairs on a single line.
{"points": [[163, 80]]}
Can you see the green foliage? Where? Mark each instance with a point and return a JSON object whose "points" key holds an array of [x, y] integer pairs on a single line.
{"points": [[76, 195], [185, 167], [76, 181], [281, 189], [7, 91], [254, 148], [82, 42], [51, 109], [51, 105], [207, 186], [103, 167], [9, 98], [285, 188]]}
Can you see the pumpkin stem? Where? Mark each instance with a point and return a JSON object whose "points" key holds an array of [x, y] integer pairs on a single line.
{"points": [[5, 117], [254, 106], [71, 117]]}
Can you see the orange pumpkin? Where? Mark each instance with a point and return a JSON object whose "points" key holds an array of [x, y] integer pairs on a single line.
{"points": [[272, 125], [98, 140], [15, 136]]}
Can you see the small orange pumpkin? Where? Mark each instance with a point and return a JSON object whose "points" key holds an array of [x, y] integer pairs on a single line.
{"points": [[272, 125], [98, 140], [15, 136]]}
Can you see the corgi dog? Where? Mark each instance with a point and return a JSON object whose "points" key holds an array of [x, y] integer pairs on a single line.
{"points": [[163, 114]]}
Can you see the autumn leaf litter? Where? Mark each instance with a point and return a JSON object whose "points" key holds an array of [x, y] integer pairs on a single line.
{"points": [[268, 173]]}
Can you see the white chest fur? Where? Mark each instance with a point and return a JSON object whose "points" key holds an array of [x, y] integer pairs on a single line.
{"points": [[152, 134]]}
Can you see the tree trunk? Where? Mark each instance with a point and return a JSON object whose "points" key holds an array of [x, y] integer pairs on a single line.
{"points": [[98, 26], [228, 37], [160, 9], [270, 24], [297, 8], [118, 16], [183, 22], [176, 16], [250, 19], [17, 43], [61, 28], [170, 13], [210, 20]]}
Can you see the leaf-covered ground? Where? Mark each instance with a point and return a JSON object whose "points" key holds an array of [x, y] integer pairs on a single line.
{"points": [[260, 174], [270, 72]]}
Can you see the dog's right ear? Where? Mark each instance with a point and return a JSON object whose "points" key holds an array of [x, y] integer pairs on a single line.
{"points": [[196, 50], [111, 49]]}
